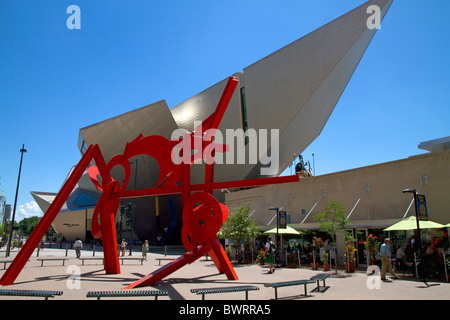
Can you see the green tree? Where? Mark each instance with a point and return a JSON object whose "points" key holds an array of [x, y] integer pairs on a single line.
{"points": [[27, 225], [239, 227], [333, 221]]}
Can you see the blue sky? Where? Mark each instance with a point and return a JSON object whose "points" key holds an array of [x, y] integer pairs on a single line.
{"points": [[127, 54]]}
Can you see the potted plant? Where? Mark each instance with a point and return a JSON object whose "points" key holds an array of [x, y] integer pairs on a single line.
{"points": [[350, 257], [317, 243], [325, 259], [261, 258], [373, 246], [292, 261]]}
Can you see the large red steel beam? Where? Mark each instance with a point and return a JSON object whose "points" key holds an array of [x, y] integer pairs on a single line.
{"points": [[169, 268], [205, 186]]}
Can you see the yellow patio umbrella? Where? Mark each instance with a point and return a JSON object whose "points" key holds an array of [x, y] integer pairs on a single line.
{"points": [[287, 230], [281, 231], [410, 223]]}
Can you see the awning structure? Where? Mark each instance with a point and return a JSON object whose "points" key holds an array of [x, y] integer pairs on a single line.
{"points": [[410, 223]]}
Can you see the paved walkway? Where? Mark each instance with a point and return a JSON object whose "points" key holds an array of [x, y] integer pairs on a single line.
{"points": [[203, 274]]}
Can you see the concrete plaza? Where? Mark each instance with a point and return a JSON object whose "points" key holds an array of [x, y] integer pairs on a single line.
{"points": [[203, 274]]}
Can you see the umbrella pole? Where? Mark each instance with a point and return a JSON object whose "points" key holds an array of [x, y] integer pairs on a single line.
{"points": [[314, 259], [415, 266], [285, 257], [445, 265]]}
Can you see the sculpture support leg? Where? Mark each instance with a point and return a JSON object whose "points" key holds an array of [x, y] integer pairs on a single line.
{"points": [[109, 239], [169, 268], [27, 250], [220, 259]]}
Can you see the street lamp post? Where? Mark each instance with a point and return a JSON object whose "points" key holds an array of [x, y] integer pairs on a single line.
{"points": [[131, 206], [8, 246], [419, 240], [122, 210], [314, 165], [276, 241], [130, 226]]}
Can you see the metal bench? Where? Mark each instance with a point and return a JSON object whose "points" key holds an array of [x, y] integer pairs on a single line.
{"points": [[203, 292], [30, 293], [277, 285], [126, 293], [82, 259], [168, 259], [52, 259], [5, 262], [142, 259], [320, 277]]}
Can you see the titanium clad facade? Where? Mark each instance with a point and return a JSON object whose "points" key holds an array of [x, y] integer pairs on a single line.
{"points": [[295, 89]]}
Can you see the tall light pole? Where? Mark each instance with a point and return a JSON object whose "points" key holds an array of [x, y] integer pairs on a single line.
{"points": [[314, 165], [131, 206], [276, 240], [8, 246], [419, 241]]}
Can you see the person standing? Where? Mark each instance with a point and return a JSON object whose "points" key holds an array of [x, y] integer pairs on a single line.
{"points": [[123, 246], [268, 252], [385, 254], [78, 245], [145, 248]]}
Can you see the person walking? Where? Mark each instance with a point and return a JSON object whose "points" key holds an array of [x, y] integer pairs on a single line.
{"points": [[145, 248], [123, 246], [268, 252], [78, 245], [385, 254]]}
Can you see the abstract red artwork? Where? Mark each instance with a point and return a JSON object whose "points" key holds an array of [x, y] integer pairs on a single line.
{"points": [[201, 222]]}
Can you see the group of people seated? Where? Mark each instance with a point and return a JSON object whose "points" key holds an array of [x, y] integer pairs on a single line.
{"points": [[405, 258]]}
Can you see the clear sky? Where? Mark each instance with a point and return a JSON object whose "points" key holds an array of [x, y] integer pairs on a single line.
{"points": [[127, 54]]}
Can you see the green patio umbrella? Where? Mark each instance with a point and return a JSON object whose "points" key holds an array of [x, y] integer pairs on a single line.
{"points": [[410, 223], [447, 225], [287, 230]]}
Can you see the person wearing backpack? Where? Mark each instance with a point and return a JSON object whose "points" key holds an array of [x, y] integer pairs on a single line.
{"points": [[269, 253]]}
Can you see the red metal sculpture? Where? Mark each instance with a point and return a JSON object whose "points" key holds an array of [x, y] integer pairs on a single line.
{"points": [[200, 223]]}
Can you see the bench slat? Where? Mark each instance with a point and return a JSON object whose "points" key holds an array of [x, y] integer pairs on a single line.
{"points": [[126, 293], [31, 293], [92, 258], [224, 290], [320, 277], [288, 283], [277, 285], [52, 259], [142, 259], [168, 259]]}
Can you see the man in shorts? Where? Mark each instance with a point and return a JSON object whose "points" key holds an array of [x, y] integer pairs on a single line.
{"points": [[268, 252]]}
